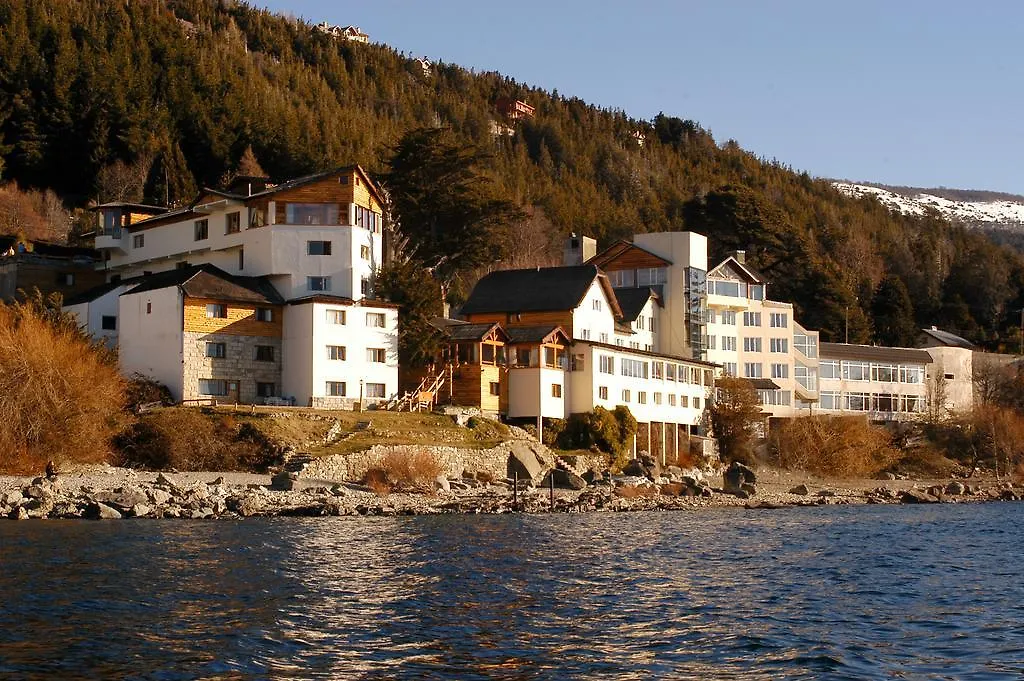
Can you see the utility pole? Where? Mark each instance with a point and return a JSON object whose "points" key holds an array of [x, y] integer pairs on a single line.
{"points": [[847, 320]]}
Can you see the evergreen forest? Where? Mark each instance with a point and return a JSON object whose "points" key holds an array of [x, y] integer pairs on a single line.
{"points": [[149, 100]]}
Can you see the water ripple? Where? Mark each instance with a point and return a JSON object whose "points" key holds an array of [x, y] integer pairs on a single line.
{"points": [[894, 592]]}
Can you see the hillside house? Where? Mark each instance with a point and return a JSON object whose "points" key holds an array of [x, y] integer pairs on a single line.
{"points": [[514, 109], [26, 265]]}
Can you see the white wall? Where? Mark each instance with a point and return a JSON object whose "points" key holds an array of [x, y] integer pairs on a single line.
{"points": [[589, 323], [297, 353], [530, 387], [683, 250], [959, 363], [151, 343]]}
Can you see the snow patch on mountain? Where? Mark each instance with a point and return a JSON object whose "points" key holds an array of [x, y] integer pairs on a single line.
{"points": [[1005, 214]]}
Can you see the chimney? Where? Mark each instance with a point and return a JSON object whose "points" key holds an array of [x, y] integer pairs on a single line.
{"points": [[741, 257], [578, 249]]}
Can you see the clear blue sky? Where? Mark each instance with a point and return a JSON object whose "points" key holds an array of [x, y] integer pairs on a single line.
{"points": [[902, 92]]}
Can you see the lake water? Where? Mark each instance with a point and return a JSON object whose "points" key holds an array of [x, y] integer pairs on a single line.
{"points": [[911, 592]]}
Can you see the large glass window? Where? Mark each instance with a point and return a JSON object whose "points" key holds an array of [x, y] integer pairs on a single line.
{"points": [[318, 247], [857, 402], [829, 368], [212, 386], [807, 344], [777, 320], [751, 319], [634, 368], [311, 213], [884, 373], [912, 374], [752, 370], [856, 371], [751, 345], [778, 344], [829, 399], [805, 376], [733, 289]]}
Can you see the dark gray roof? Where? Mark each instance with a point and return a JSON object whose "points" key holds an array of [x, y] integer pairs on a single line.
{"points": [[530, 334], [633, 300], [469, 332], [99, 291], [209, 281], [763, 384], [947, 338], [531, 290], [872, 353]]}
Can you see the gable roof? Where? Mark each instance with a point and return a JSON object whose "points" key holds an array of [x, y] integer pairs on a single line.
{"points": [[633, 300], [99, 291], [209, 281], [746, 271], [543, 289], [538, 334], [872, 352], [947, 338], [316, 177], [473, 332], [623, 249]]}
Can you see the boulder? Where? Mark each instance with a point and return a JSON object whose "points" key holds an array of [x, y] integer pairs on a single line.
{"points": [[735, 476], [99, 511], [801, 490], [284, 481], [123, 499], [139, 511], [1008, 495], [956, 488], [19, 513], [564, 479], [158, 496], [524, 462], [441, 484], [917, 496], [593, 476]]}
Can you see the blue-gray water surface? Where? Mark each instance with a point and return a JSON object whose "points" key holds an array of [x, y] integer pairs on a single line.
{"points": [[925, 592]]}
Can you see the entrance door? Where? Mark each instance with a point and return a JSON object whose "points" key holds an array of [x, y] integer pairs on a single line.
{"points": [[233, 392]]}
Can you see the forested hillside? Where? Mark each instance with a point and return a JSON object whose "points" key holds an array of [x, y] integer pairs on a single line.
{"points": [[150, 99]]}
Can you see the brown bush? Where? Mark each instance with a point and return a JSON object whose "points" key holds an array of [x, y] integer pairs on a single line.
{"points": [[416, 471], [634, 491], [838, 446], [59, 397], [377, 480], [192, 439]]}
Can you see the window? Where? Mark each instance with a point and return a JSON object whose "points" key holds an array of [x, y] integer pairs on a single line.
{"points": [[751, 345], [108, 323], [336, 388], [884, 373], [730, 369], [625, 396], [777, 320], [911, 374], [585, 334], [670, 371], [556, 390], [218, 350], [374, 390], [149, 308], [641, 397], [606, 364], [367, 219], [805, 376], [856, 371], [266, 389], [752, 370], [336, 352], [311, 213], [948, 377], [241, 258], [684, 401], [778, 344], [885, 402], [335, 316], [318, 248], [696, 403], [913, 403], [780, 371], [264, 353], [657, 398], [318, 283], [729, 317], [257, 218], [202, 229], [733, 289], [672, 399], [857, 402], [216, 310], [828, 399], [66, 278], [602, 392], [712, 340], [523, 357], [375, 320], [634, 368], [751, 319], [596, 304], [774, 397], [709, 316], [364, 286], [807, 344], [495, 388], [757, 292], [213, 386], [829, 368], [138, 241], [658, 370], [233, 225], [603, 337], [364, 252], [264, 314], [639, 323], [729, 343], [375, 355]]}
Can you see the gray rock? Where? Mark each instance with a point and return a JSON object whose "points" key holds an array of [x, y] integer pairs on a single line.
{"points": [[218, 481], [158, 496], [165, 481], [524, 461], [735, 476], [19, 513], [34, 491], [441, 484], [123, 499], [826, 493], [956, 488], [802, 490], [749, 488], [886, 476], [564, 479], [139, 511], [916, 496], [99, 511], [12, 498], [284, 481]]}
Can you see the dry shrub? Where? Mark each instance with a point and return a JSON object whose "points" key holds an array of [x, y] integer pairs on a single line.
{"points": [[191, 439], [60, 398], [377, 480], [634, 491], [838, 446], [417, 470]]}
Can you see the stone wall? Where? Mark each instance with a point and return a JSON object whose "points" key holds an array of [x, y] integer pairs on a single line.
{"points": [[239, 364], [454, 460]]}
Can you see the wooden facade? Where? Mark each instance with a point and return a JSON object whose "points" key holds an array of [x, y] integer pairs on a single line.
{"points": [[478, 367], [240, 321]]}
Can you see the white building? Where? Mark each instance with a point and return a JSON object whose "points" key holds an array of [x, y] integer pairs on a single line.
{"points": [[315, 242]]}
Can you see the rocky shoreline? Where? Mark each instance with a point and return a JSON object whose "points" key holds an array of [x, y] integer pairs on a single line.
{"points": [[117, 493]]}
